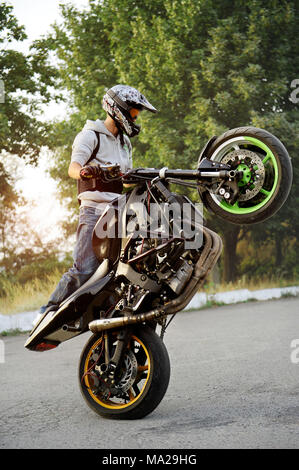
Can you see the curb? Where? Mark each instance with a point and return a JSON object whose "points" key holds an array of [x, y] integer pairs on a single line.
{"points": [[23, 321], [241, 295], [19, 321]]}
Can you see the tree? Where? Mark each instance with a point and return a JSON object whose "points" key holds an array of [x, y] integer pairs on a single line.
{"points": [[207, 66], [8, 199], [25, 80]]}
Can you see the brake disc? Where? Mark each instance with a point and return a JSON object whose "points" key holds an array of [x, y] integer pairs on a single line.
{"points": [[251, 164], [129, 372]]}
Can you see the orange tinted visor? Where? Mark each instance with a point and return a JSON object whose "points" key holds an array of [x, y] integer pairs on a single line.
{"points": [[134, 113]]}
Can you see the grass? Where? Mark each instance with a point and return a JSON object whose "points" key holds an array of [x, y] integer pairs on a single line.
{"points": [[28, 296], [15, 332], [250, 284], [31, 295], [286, 295]]}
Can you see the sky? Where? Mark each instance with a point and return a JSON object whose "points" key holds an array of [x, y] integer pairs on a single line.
{"points": [[38, 15], [35, 183]]}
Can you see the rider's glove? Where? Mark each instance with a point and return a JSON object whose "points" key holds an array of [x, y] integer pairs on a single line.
{"points": [[111, 172], [91, 171]]}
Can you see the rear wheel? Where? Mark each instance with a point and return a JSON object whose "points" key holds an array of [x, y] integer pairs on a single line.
{"points": [[140, 383], [267, 174]]}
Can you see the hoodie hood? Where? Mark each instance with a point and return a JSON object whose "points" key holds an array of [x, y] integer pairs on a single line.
{"points": [[96, 126]]}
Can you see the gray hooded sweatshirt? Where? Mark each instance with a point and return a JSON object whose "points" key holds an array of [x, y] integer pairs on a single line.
{"points": [[110, 151]]}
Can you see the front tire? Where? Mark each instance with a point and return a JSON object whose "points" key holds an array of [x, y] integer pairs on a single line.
{"points": [[267, 174], [142, 383]]}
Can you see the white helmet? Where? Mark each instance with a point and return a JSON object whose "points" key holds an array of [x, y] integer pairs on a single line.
{"points": [[119, 100]]}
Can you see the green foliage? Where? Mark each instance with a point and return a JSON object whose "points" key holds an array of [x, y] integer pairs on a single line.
{"points": [[26, 80], [14, 332], [23, 255], [207, 66]]}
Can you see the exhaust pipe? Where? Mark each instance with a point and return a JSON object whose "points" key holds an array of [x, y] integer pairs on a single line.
{"points": [[109, 323]]}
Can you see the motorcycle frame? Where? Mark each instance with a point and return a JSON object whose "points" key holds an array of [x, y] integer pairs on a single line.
{"points": [[72, 318]]}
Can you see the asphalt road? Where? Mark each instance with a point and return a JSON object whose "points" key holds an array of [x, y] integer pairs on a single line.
{"points": [[233, 385]]}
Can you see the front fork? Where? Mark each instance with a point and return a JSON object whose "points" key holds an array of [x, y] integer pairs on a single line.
{"points": [[113, 364]]}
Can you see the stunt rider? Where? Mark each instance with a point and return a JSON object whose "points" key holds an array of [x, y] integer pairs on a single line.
{"points": [[99, 143]]}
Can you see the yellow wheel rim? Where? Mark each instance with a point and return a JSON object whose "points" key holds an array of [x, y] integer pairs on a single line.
{"points": [[132, 396]]}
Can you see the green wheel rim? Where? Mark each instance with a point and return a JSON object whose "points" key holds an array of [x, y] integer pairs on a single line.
{"points": [[235, 209]]}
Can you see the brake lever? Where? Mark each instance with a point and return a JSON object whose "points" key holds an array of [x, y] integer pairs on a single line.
{"points": [[129, 179]]}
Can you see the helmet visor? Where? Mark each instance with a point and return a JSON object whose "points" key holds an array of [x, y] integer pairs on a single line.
{"points": [[134, 112]]}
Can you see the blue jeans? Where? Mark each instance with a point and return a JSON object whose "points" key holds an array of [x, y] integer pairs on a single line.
{"points": [[85, 261]]}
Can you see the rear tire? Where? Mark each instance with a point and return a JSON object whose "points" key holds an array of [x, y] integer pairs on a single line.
{"points": [[277, 162], [148, 363]]}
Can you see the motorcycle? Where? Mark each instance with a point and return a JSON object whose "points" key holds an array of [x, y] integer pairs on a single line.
{"points": [[155, 253]]}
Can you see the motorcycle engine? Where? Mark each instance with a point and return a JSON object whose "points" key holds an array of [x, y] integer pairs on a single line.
{"points": [[170, 265]]}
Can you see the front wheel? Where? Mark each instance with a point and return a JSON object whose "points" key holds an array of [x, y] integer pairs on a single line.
{"points": [[141, 381], [267, 175]]}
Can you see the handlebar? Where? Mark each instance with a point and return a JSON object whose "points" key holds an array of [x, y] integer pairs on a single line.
{"points": [[206, 168], [218, 171]]}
